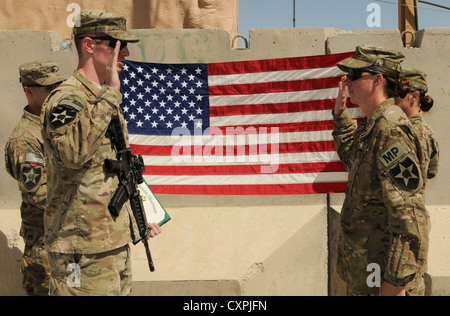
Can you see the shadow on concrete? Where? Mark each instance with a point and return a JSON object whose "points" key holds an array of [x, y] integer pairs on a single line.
{"points": [[141, 13], [10, 275], [293, 269], [336, 286]]}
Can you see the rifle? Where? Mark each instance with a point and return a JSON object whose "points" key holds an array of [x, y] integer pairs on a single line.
{"points": [[129, 169]]}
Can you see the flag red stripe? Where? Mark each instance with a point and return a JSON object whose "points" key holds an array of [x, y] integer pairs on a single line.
{"points": [[274, 87], [266, 189], [270, 108], [233, 150], [294, 63], [287, 128], [292, 107], [243, 169], [290, 127]]}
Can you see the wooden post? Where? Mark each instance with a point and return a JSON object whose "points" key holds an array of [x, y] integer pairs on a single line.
{"points": [[407, 20]]}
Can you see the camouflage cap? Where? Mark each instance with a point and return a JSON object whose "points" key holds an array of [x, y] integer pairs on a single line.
{"points": [[417, 79], [43, 73], [102, 22], [369, 56]]}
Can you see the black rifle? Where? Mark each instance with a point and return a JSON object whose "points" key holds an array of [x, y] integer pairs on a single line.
{"points": [[129, 168]]}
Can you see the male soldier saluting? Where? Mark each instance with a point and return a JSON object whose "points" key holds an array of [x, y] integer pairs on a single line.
{"points": [[88, 247], [24, 157]]}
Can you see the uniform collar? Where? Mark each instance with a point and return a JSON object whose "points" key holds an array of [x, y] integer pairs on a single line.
{"points": [[380, 110], [30, 116], [417, 117], [369, 124], [91, 86]]}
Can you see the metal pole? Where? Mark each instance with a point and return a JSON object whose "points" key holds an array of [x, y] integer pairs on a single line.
{"points": [[294, 14], [408, 20], [416, 13]]}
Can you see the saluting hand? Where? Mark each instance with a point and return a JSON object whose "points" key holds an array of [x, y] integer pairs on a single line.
{"points": [[341, 99], [112, 73]]}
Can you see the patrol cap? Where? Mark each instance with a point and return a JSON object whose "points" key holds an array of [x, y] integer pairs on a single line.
{"points": [[417, 79], [43, 73], [102, 22], [368, 56]]}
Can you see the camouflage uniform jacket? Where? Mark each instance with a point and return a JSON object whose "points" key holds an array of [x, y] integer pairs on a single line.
{"points": [[75, 118], [383, 219], [429, 145], [24, 157]]}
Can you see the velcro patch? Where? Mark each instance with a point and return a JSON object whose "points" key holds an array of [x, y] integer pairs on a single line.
{"points": [[31, 176], [406, 174], [33, 158], [71, 103], [65, 112], [391, 156]]}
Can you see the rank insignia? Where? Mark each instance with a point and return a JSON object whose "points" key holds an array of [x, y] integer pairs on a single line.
{"points": [[31, 176], [406, 174]]}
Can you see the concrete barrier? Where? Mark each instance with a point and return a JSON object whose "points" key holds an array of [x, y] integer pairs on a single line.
{"points": [[237, 245]]}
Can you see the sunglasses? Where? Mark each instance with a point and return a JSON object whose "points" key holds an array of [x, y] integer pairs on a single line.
{"points": [[403, 94], [112, 41], [355, 74]]}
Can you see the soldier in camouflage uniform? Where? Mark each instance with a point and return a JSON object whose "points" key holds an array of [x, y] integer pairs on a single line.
{"points": [[24, 157], [412, 98], [384, 224], [88, 247]]}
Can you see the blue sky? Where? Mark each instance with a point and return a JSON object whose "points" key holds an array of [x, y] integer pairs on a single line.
{"points": [[341, 14]]}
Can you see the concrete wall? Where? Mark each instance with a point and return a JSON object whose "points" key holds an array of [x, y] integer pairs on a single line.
{"points": [[140, 14], [216, 245]]}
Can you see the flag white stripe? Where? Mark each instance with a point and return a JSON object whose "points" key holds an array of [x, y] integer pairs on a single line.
{"points": [[283, 118], [274, 76], [231, 139], [198, 159], [276, 97]]}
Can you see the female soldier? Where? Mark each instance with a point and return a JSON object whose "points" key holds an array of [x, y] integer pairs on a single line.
{"points": [[384, 225], [412, 98]]}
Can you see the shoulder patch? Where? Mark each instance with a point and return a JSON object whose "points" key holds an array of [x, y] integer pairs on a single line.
{"points": [[406, 174], [392, 155], [31, 176], [65, 112]]}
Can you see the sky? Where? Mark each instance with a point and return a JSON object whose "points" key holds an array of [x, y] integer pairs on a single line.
{"points": [[341, 14]]}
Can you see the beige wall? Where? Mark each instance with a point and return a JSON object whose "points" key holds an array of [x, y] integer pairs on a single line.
{"points": [[140, 14], [238, 245]]}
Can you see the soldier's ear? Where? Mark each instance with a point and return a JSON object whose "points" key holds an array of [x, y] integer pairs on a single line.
{"points": [[27, 90], [379, 78], [415, 96], [87, 45]]}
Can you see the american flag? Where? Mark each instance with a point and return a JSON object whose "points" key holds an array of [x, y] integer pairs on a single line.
{"points": [[258, 127]]}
